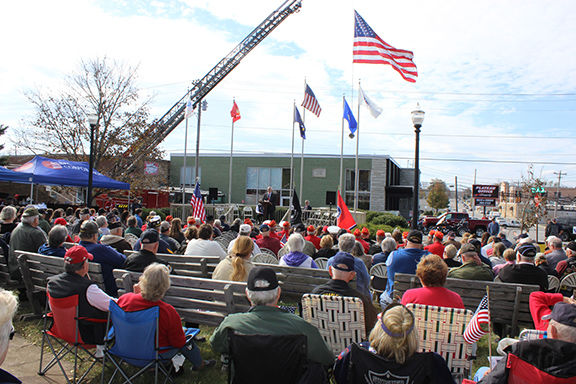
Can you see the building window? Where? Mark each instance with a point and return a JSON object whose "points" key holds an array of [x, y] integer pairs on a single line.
{"points": [[363, 188], [259, 179], [188, 176]]}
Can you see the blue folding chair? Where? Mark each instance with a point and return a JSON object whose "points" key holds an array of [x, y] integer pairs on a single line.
{"points": [[133, 339]]}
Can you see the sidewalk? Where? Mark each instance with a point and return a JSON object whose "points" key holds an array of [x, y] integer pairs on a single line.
{"points": [[23, 359]]}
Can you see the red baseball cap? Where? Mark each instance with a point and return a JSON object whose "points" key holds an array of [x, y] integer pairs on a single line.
{"points": [[380, 233], [311, 228], [286, 224], [357, 232], [272, 223], [248, 221], [77, 254], [60, 221], [365, 230], [405, 234], [439, 235], [169, 218], [325, 228]]}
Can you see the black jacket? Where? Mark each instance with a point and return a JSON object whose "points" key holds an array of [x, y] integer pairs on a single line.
{"points": [[524, 274], [137, 262]]}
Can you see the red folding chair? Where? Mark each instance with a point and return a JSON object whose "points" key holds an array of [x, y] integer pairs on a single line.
{"points": [[62, 333]]}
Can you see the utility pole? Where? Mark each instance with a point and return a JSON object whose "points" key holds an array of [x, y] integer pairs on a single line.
{"points": [[456, 192], [560, 174]]}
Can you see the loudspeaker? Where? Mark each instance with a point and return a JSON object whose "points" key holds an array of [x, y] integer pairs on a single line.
{"points": [[330, 197], [212, 193]]}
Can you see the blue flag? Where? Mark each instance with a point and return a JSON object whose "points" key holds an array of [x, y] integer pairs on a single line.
{"points": [[352, 125], [298, 119]]}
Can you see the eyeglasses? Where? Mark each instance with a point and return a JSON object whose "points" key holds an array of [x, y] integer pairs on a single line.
{"points": [[385, 328]]}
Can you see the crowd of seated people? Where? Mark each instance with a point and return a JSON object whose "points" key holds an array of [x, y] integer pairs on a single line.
{"points": [[104, 236]]}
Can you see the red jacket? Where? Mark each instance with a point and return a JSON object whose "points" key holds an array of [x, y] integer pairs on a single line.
{"points": [[314, 240], [541, 304]]}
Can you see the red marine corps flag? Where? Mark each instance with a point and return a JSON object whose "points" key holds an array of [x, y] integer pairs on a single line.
{"points": [[344, 218], [235, 112]]}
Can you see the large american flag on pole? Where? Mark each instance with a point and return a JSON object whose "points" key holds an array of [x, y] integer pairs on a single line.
{"points": [[310, 102], [370, 48], [474, 330], [197, 202]]}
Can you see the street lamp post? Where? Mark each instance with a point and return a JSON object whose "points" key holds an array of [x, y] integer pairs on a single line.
{"points": [[93, 121], [417, 119]]}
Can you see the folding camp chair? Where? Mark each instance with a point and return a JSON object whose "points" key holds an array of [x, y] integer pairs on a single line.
{"points": [[339, 319], [264, 258], [278, 359], [440, 330], [133, 339], [378, 279], [61, 331], [321, 262]]}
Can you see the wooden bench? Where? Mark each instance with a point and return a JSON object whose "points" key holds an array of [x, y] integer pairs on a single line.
{"points": [[36, 269], [5, 280], [296, 281], [197, 300], [508, 302], [184, 265]]}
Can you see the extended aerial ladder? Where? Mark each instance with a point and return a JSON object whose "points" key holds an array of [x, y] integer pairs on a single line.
{"points": [[162, 127]]}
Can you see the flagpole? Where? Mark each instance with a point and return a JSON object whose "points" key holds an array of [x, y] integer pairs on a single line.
{"points": [[292, 160], [185, 172], [489, 327], [231, 158], [197, 161], [356, 170], [340, 186], [302, 153]]}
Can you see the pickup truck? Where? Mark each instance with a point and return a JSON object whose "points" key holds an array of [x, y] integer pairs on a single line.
{"points": [[478, 226]]}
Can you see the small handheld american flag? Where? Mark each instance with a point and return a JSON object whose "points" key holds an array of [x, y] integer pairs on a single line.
{"points": [[197, 202], [474, 330]]}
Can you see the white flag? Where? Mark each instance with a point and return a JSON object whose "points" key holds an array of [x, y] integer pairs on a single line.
{"points": [[374, 109], [189, 109]]}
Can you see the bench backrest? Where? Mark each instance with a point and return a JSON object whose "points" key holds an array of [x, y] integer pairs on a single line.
{"points": [[185, 265], [297, 281], [508, 302], [197, 300], [37, 268]]}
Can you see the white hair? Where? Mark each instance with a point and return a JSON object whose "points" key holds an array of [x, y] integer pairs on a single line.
{"points": [[388, 244], [565, 332], [8, 306], [296, 242], [101, 221], [29, 219], [8, 212], [346, 242], [262, 297]]}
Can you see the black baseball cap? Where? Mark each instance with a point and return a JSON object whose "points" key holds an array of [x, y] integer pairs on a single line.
{"points": [[414, 236], [563, 313], [264, 228], [527, 250], [571, 246], [89, 227], [343, 261], [262, 279], [149, 236]]}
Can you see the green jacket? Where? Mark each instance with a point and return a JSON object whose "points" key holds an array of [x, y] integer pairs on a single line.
{"points": [[471, 271], [24, 238], [265, 320]]}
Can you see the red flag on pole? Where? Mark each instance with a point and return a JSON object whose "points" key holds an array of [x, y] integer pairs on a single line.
{"points": [[235, 113], [344, 218]]}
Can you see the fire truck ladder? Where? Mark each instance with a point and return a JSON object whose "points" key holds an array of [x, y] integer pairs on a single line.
{"points": [[162, 127]]}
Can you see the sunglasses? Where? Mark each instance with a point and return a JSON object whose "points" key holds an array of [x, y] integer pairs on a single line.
{"points": [[388, 331]]}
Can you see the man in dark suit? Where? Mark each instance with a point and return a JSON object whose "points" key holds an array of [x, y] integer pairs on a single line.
{"points": [[269, 204], [524, 271]]}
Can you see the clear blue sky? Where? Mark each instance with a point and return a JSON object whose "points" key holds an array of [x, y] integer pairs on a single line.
{"points": [[497, 79]]}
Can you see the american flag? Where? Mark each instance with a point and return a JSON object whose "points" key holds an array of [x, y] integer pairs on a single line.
{"points": [[474, 331], [283, 241], [310, 102], [371, 49], [197, 202]]}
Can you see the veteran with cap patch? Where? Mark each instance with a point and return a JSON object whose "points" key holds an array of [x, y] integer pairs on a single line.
{"points": [[265, 318]]}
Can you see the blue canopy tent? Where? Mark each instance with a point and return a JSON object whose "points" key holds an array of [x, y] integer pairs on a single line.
{"points": [[15, 177], [47, 171]]}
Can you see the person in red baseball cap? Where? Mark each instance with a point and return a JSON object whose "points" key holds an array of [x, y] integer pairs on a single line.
{"points": [[285, 232], [436, 247], [376, 247], [311, 237], [93, 302], [365, 245], [365, 233]]}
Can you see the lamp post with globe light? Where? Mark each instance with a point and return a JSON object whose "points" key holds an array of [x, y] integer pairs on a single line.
{"points": [[417, 119]]}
